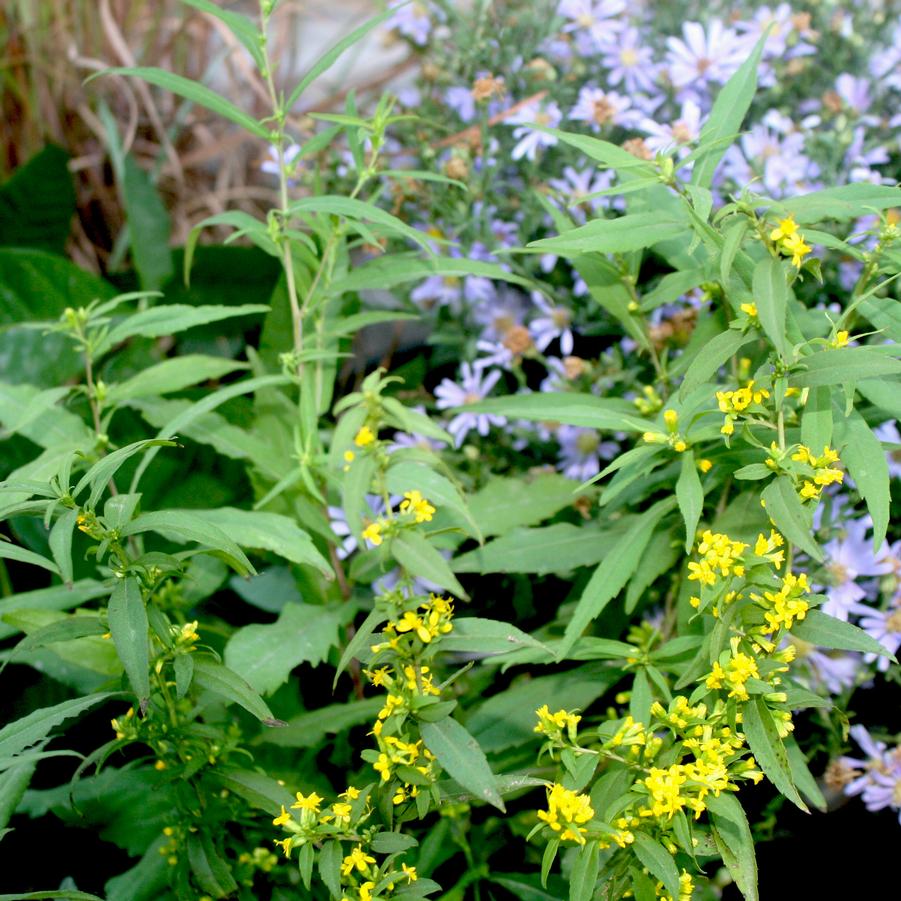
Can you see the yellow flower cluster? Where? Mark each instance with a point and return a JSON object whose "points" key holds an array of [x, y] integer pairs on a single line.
{"points": [[416, 504], [790, 241], [821, 471], [567, 813], [303, 827], [786, 605], [770, 548], [721, 557], [734, 403], [364, 437], [673, 437], [553, 724], [428, 621], [738, 669], [395, 752]]}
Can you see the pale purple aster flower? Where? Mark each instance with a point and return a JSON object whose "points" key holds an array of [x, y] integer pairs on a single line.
{"points": [[832, 671], [530, 140], [461, 101], [339, 524], [270, 164], [701, 58], [859, 162], [555, 323], [885, 62], [879, 775], [497, 353], [781, 22], [415, 440], [630, 62], [850, 558], [474, 386], [599, 108], [575, 187], [885, 627], [855, 92], [888, 433], [593, 23], [581, 452], [438, 291], [679, 134], [413, 20], [498, 315]]}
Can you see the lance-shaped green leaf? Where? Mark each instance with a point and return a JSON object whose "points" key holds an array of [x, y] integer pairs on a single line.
{"points": [[462, 758], [862, 453], [725, 119], [570, 409], [472, 634], [836, 366], [771, 294], [212, 873], [816, 421], [36, 726], [658, 860], [100, 474], [768, 750], [186, 525], [792, 519], [690, 496], [714, 354], [413, 551], [614, 571], [219, 679], [130, 630], [192, 91], [610, 156], [505, 504], [55, 598], [60, 542], [10, 551], [240, 26], [584, 877], [734, 841], [172, 375], [826, 631], [307, 730], [635, 231], [261, 791], [842, 203]]}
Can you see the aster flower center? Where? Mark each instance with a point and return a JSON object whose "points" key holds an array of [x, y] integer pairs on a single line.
{"points": [[471, 397], [588, 442], [586, 20], [628, 57], [838, 572], [681, 132], [703, 64], [893, 622], [896, 793], [503, 323], [603, 110], [561, 317], [517, 340], [542, 119]]}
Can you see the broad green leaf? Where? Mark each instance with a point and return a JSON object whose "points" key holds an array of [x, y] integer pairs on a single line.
{"points": [[412, 422], [584, 876], [768, 750], [60, 541], [219, 679], [10, 551], [826, 631], [801, 775], [725, 120], [462, 758], [393, 842], [862, 453], [264, 655], [883, 312], [130, 630], [145, 881], [330, 858], [771, 294], [58, 597], [61, 895], [267, 531], [731, 245], [13, 782], [792, 519], [841, 203], [240, 26], [734, 841], [167, 319], [192, 91], [816, 420], [413, 551], [212, 873], [36, 726], [715, 354], [658, 860], [187, 525], [844, 364], [614, 571], [261, 791], [172, 375], [882, 393], [66, 629], [34, 414], [307, 730], [610, 156], [475, 635], [505, 504], [438, 489], [690, 496], [149, 227], [634, 231], [570, 409], [101, 473]]}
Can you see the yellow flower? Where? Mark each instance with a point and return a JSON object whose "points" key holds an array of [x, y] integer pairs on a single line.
{"points": [[567, 811], [283, 818], [410, 872], [373, 533], [416, 504], [705, 465], [785, 229], [349, 456], [364, 437], [749, 309], [366, 890], [351, 794], [840, 339], [796, 248], [310, 802], [358, 860]]}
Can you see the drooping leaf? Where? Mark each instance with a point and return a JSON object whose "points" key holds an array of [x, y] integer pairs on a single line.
{"points": [[792, 519], [690, 496], [217, 678], [768, 750], [130, 630]]}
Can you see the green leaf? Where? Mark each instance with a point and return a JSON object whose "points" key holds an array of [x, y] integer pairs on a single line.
{"points": [[816, 421], [862, 453], [733, 838], [610, 156], [771, 294], [130, 630], [360, 640], [460, 755], [801, 775], [219, 679], [716, 353], [212, 873], [826, 631], [658, 860], [58, 597], [768, 750], [475, 635], [792, 519], [185, 525], [623, 234], [729, 110], [842, 203], [240, 26], [267, 531], [439, 490], [307, 730], [261, 791], [350, 325], [37, 203], [62, 895], [505, 504], [413, 551], [60, 541], [65, 629], [690, 496], [331, 56], [192, 91], [149, 227], [9, 551], [330, 858], [36, 726], [614, 571], [264, 655], [584, 876], [392, 842], [835, 366], [172, 375], [570, 409], [167, 319], [101, 473]]}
